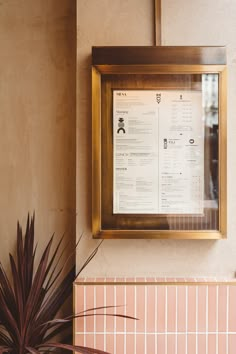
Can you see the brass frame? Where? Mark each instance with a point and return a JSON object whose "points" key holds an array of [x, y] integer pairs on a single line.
{"points": [[157, 21], [161, 283], [98, 70]]}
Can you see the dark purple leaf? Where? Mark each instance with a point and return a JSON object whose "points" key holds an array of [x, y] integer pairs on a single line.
{"points": [[76, 348], [18, 292], [32, 350], [6, 290], [4, 350]]}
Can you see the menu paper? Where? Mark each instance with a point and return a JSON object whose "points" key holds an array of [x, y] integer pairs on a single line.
{"points": [[158, 152]]}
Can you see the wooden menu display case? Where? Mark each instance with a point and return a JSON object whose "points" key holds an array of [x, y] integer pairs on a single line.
{"points": [[159, 142]]}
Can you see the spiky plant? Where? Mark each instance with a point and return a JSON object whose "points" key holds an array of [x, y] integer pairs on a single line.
{"points": [[31, 300]]}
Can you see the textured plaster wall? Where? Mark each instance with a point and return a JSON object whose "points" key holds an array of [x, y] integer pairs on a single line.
{"points": [[184, 22], [37, 118]]}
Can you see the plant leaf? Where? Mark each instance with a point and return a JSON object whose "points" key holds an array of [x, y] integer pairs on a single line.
{"points": [[56, 299], [88, 260], [18, 293], [60, 328], [6, 290], [5, 340], [4, 349], [76, 348], [28, 259], [32, 304], [8, 319], [32, 350]]}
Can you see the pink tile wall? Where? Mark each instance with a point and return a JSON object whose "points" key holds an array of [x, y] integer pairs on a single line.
{"points": [[175, 316]]}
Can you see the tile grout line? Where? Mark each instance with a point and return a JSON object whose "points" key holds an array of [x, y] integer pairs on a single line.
{"points": [[145, 318], [176, 319], [186, 318], [196, 319], [135, 323], [85, 317], [94, 319], [155, 318], [105, 317], [207, 319], [166, 324], [125, 324], [227, 320], [217, 319], [115, 317]]}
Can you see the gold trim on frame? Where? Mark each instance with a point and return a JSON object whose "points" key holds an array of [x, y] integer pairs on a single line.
{"points": [[161, 283]]}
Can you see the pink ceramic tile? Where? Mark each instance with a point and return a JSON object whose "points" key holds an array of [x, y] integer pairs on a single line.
{"points": [[150, 280], [171, 341], [130, 310], [191, 344], [79, 306], [222, 308], [171, 308], [171, 280], [100, 302], [120, 302], [79, 297], [181, 344], [232, 309], [150, 344], [211, 344], [151, 313], [99, 341], [181, 280], [90, 280], [100, 280], [212, 289], [192, 308], [181, 308], [89, 304], [109, 340], [130, 343], [110, 280], [221, 344], [80, 324], [232, 344], [202, 291], [160, 280], [161, 304], [119, 280], [79, 339], [140, 308], [110, 301], [140, 280], [119, 344], [130, 280], [201, 340], [90, 341], [190, 280], [140, 344], [161, 340]]}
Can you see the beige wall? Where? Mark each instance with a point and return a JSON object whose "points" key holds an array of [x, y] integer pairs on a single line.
{"points": [[37, 118], [129, 22]]}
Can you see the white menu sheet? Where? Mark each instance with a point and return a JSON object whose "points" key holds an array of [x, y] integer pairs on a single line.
{"points": [[158, 152]]}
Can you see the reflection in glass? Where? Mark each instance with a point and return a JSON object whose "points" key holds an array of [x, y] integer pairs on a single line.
{"points": [[211, 117]]}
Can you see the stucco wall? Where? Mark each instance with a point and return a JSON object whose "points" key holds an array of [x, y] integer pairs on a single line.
{"points": [[184, 22], [37, 119]]}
